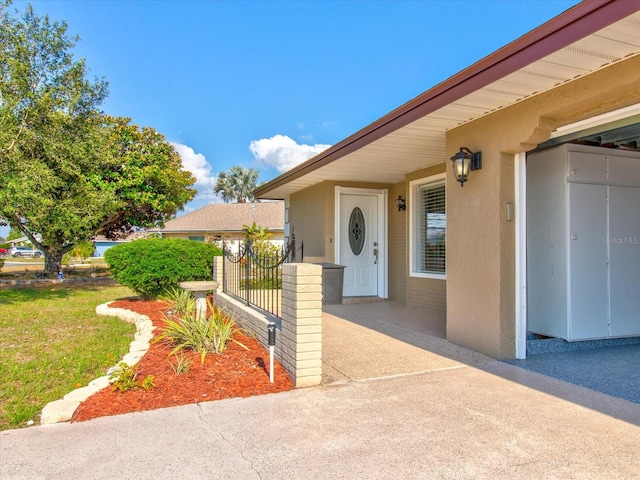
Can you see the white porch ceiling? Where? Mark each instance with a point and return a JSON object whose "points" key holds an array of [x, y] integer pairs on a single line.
{"points": [[422, 142]]}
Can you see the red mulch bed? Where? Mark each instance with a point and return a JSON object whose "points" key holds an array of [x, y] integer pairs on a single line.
{"points": [[235, 373]]}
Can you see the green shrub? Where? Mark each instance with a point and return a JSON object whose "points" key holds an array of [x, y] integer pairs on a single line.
{"points": [[155, 265]]}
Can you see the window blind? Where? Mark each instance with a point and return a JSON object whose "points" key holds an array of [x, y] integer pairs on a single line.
{"points": [[433, 220]]}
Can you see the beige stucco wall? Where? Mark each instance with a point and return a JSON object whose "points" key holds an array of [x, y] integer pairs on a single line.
{"points": [[480, 241], [398, 228], [312, 218]]}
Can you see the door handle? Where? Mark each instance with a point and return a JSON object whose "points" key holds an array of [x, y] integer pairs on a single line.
{"points": [[375, 254]]}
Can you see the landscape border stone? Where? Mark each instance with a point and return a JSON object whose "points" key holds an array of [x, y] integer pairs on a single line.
{"points": [[63, 410], [15, 282]]}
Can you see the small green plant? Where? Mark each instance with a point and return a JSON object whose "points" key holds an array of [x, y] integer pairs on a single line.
{"points": [[123, 377], [182, 364], [148, 383], [200, 333], [81, 251], [261, 283], [255, 233]]}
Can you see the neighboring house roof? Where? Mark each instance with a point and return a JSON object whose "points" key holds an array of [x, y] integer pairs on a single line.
{"points": [[588, 37], [15, 241], [18, 240], [229, 217], [129, 238]]}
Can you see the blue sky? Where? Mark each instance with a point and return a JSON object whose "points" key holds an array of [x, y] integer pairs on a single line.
{"points": [[268, 84]]}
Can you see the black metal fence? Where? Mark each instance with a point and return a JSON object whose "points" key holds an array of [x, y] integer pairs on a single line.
{"points": [[253, 273]]}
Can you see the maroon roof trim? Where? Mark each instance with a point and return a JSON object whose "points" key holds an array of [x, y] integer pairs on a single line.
{"points": [[576, 23]]}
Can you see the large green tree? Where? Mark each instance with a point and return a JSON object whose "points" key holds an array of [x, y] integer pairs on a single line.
{"points": [[145, 175], [67, 171], [237, 184]]}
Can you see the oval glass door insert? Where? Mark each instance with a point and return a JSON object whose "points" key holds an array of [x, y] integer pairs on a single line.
{"points": [[356, 231]]}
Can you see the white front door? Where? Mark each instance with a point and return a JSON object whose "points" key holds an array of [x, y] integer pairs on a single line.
{"points": [[360, 246]]}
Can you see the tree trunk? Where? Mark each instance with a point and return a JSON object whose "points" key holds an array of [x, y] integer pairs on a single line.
{"points": [[52, 263]]}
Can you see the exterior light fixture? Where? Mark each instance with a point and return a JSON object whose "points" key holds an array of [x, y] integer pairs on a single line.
{"points": [[401, 204], [271, 335], [463, 161]]}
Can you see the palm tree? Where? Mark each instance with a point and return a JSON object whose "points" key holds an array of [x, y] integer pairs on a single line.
{"points": [[238, 183]]}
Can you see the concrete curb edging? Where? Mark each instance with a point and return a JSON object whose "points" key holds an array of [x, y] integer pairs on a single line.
{"points": [[62, 410]]}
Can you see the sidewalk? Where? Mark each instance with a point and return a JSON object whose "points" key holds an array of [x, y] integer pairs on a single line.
{"points": [[469, 422]]}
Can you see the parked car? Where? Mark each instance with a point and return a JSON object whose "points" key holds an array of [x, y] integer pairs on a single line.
{"points": [[24, 252], [3, 252]]}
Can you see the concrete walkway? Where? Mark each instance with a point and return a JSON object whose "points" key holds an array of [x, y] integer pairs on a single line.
{"points": [[377, 340], [398, 402]]}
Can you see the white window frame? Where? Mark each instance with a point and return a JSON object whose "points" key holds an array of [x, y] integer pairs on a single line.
{"points": [[414, 220]]}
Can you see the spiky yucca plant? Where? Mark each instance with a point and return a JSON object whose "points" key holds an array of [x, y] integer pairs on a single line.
{"points": [[200, 333], [182, 301]]}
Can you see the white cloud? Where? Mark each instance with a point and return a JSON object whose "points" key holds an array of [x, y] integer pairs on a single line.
{"points": [[197, 164], [283, 153]]}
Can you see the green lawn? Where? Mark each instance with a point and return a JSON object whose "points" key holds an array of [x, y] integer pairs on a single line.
{"points": [[52, 342]]}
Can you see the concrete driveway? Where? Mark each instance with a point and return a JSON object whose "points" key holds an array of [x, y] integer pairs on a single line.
{"points": [[434, 411], [494, 421]]}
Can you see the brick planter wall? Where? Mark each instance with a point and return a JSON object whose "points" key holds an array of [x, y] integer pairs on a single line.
{"points": [[299, 332]]}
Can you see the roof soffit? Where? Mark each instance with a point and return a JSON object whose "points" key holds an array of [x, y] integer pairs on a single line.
{"points": [[413, 136]]}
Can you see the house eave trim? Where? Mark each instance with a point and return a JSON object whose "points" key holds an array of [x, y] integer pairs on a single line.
{"points": [[578, 22]]}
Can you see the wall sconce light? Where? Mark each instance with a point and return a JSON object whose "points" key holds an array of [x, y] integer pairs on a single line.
{"points": [[463, 161], [401, 204]]}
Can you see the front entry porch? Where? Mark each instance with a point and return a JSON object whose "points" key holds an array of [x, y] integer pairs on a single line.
{"points": [[366, 341], [376, 340]]}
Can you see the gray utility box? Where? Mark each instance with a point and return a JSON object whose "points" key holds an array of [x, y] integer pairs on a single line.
{"points": [[332, 282]]}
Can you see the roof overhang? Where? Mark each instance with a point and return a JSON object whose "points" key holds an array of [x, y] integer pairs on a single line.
{"points": [[580, 41], [213, 231]]}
